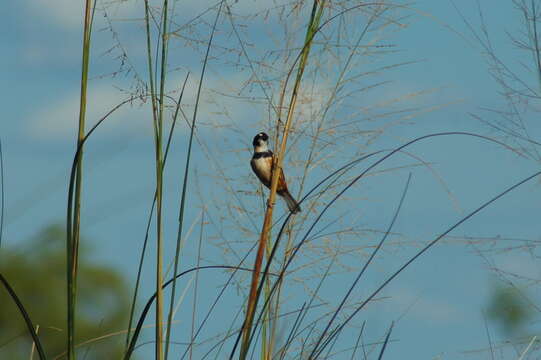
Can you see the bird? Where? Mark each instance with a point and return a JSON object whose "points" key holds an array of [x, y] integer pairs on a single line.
{"points": [[262, 164]]}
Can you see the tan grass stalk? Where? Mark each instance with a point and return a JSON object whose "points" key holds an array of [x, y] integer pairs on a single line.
{"points": [[317, 10]]}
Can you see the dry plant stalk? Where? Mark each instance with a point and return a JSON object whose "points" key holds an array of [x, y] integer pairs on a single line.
{"points": [[313, 24]]}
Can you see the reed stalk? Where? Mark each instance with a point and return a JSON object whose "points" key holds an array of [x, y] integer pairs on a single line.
{"points": [[157, 125], [158, 136], [313, 25], [74, 214]]}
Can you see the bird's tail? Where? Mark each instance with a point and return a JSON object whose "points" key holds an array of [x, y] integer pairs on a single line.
{"points": [[292, 204]]}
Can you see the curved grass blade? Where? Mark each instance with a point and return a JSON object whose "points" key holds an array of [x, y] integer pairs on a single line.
{"points": [[25, 316], [149, 303], [368, 262], [151, 213], [362, 174], [437, 239], [216, 301]]}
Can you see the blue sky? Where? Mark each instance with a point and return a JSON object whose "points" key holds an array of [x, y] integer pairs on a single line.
{"points": [[442, 295]]}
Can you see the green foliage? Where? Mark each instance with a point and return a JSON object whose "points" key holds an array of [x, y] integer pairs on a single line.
{"points": [[509, 308], [37, 273]]}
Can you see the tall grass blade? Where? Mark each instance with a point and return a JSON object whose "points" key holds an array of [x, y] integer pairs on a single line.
{"points": [[74, 220], [158, 136], [386, 341], [150, 216], [194, 306], [185, 181], [158, 192]]}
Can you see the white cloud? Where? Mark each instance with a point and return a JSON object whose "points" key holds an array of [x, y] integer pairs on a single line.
{"points": [[220, 104], [238, 7], [59, 119], [67, 13], [519, 264], [428, 309], [70, 13]]}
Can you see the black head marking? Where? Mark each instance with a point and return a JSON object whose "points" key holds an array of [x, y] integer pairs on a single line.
{"points": [[260, 137]]}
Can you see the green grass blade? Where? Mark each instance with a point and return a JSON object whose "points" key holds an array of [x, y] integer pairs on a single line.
{"points": [[185, 182], [151, 214], [75, 217], [26, 317]]}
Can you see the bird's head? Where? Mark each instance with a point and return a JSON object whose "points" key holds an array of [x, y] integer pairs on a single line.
{"points": [[260, 142]]}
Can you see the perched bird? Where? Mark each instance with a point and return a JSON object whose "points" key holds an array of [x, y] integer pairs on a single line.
{"points": [[262, 162]]}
